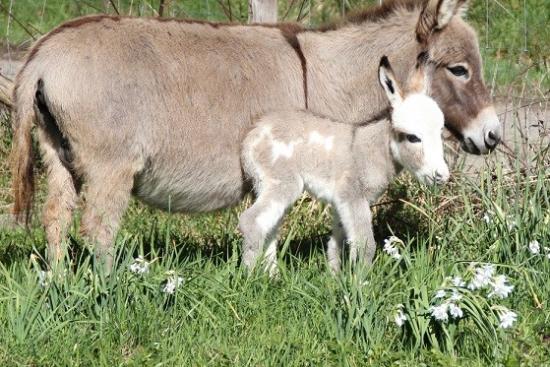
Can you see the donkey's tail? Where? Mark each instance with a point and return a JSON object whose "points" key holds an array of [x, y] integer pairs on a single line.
{"points": [[22, 155]]}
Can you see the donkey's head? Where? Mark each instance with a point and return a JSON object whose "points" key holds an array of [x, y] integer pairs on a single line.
{"points": [[457, 83], [416, 121]]}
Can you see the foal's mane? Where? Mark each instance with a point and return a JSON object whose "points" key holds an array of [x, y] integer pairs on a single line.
{"points": [[375, 13]]}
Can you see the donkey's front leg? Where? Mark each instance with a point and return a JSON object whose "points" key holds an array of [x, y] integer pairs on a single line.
{"points": [[356, 219]]}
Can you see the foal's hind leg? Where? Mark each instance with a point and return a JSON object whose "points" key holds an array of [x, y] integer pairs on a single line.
{"points": [[106, 198], [260, 222], [60, 202]]}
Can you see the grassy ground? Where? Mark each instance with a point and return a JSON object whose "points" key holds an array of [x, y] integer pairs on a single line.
{"points": [[221, 316]]}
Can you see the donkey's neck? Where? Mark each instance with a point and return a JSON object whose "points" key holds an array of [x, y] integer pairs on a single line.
{"points": [[374, 162], [342, 65]]}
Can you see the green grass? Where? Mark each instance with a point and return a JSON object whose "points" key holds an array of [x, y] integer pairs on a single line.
{"points": [[222, 316]]}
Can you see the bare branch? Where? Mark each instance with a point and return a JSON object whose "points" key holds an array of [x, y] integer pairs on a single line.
{"points": [[107, 2]]}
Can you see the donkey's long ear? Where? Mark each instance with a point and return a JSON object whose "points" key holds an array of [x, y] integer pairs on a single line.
{"points": [[388, 82], [419, 81], [436, 14]]}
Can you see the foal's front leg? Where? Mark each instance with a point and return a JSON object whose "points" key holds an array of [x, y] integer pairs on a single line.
{"points": [[334, 246], [356, 219]]}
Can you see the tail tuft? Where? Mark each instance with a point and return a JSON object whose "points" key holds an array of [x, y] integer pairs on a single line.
{"points": [[22, 156]]}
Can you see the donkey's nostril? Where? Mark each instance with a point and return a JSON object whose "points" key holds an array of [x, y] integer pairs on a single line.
{"points": [[492, 139]]}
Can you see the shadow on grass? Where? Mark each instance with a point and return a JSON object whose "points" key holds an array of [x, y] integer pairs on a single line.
{"points": [[215, 237]]}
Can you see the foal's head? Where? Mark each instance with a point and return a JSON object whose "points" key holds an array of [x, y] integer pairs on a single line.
{"points": [[417, 123]]}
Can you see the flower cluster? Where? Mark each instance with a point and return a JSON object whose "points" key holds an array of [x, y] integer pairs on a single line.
{"points": [[171, 280], [534, 248], [172, 283], [449, 305], [140, 266], [507, 318], [446, 302], [484, 278], [399, 316], [390, 247]]}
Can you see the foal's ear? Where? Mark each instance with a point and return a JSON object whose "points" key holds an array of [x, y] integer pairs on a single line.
{"points": [[436, 14], [419, 81], [389, 83]]}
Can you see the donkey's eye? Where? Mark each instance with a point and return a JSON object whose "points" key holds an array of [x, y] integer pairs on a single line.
{"points": [[413, 138], [458, 70]]}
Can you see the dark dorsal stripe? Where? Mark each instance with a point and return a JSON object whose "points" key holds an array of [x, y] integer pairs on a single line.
{"points": [[291, 37]]}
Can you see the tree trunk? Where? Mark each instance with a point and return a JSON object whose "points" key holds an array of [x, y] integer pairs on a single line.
{"points": [[262, 11]]}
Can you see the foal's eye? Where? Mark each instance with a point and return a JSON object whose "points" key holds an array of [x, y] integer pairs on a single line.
{"points": [[458, 70], [413, 138]]}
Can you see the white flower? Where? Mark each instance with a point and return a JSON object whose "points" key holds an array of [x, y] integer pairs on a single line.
{"points": [[455, 311], [487, 218], [43, 278], [458, 282], [440, 312], [507, 319], [511, 222], [390, 249], [548, 256], [140, 266], [172, 284], [482, 277], [455, 296], [400, 318], [440, 293], [500, 287], [534, 247], [392, 240]]}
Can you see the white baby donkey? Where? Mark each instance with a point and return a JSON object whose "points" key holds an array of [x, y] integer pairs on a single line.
{"points": [[345, 165]]}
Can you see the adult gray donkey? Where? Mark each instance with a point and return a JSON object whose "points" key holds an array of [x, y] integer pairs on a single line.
{"points": [[159, 108]]}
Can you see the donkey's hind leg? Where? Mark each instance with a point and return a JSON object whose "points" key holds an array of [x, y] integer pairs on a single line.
{"points": [[60, 202], [106, 196], [260, 222]]}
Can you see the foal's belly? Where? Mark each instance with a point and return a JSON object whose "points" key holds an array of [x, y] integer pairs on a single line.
{"points": [[191, 185]]}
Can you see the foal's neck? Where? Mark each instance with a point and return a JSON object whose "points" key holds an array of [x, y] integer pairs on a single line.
{"points": [[374, 161]]}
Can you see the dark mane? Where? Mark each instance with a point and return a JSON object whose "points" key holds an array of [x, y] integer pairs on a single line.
{"points": [[375, 13]]}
